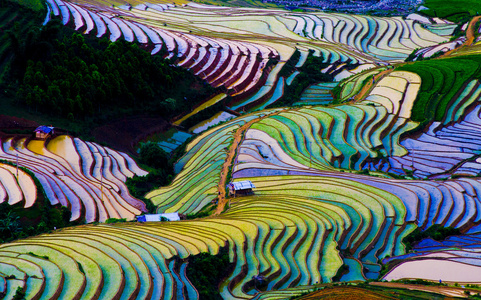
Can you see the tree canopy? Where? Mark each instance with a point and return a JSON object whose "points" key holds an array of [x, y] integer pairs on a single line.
{"points": [[74, 76]]}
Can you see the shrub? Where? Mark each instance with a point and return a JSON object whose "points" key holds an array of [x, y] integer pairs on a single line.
{"points": [[310, 73], [19, 294], [153, 156], [81, 269], [200, 214], [140, 185], [206, 271], [436, 232], [114, 220], [344, 269]]}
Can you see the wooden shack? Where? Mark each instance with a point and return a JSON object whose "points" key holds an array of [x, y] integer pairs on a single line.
{"points": [[43, 132], [241, 188]]}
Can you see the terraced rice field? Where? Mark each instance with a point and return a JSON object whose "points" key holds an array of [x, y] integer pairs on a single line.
{"points": [[83, 176], [367, 230], [442, 151], [459, 254], [16, 186], [291, 240], [325, 138], [296, 155], [317, 94], [315, 215], [170, 139], [442, 80], [243, 50], [296, 230], [199, 170]]}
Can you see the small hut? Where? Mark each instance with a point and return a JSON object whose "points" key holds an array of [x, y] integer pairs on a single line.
{"points": [[241, 188], [43, 132]]}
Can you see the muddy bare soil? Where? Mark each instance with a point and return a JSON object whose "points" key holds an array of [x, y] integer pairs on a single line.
{"points": [[123, 134], [8, 122]]}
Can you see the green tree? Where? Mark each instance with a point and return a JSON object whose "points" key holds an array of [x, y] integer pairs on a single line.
{"points": [[154, 156], [9, 224]]}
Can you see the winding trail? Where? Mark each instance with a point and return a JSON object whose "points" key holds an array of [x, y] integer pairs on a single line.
{"points": [[471, 30], [470, 35], [238, 138], [366, 89]]}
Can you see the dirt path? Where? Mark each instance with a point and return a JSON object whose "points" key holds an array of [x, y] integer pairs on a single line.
{"points": [[238, 138], [443, 290], [239, 134], [369, 86], [470, 35], [471, 30]]}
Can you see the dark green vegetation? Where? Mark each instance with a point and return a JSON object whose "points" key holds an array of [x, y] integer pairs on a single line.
{"points": [[19, 294], [344, 269], [205, 113], [441, 80], [206, 272], [77, 77], [152, 155], [19, 222], [336, 92], [160, 166], [436, 232], [458, 32], [156, 161], [16, 19], [36, 5], [114, 220], [310, 74], [453, 10], [205, 212], [53, 74], [290, 65], [201, 214]]}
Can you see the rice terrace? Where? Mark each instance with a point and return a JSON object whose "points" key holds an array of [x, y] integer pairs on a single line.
{"points": [[240, 149]]}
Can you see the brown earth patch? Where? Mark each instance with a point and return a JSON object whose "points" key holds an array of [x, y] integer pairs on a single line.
{"points": [[238, 138], [367, 88], [471, 31], [123, 134], [345, 293], [443, 290], [9, 122], [470, 36]]}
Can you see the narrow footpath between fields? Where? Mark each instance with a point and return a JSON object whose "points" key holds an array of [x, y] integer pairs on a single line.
{"points": [[471, 30], [238, 138], [366, 89], [470, 35]]}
